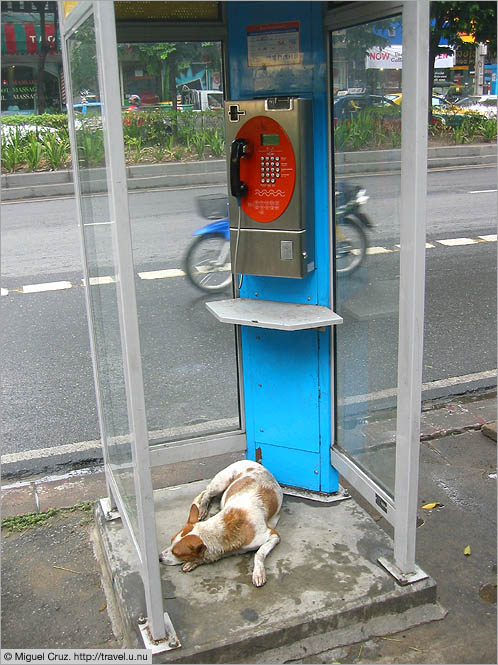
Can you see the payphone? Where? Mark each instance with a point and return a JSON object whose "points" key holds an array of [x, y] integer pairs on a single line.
{"points": [[270, 171]]}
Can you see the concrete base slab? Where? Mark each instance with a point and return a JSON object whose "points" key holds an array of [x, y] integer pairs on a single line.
{"points": [[324, 585]]}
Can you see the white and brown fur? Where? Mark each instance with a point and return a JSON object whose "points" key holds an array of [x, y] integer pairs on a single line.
{"points": [[250, 509]]}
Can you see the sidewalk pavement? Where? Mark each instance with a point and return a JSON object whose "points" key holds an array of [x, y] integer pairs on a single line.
{"points": [[52, 593]]}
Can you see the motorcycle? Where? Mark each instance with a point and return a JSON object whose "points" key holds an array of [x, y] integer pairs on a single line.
{"points": [[351, 240], [207, 260]]}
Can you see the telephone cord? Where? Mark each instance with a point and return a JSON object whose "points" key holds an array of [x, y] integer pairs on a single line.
{"points": [[236, 253]]}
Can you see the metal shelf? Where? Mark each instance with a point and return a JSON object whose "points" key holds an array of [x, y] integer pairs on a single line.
{"points": [[275, 315]]}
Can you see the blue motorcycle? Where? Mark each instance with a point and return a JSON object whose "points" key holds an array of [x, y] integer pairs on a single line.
{"points": [[207, 261]]}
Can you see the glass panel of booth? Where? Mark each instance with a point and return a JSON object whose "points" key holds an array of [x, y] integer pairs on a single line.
{"points": [[172, 108], [366, 126], [99, 259]]}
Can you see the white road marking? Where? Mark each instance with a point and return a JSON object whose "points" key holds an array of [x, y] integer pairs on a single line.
{"points": [[47, 286], [440, 383], [96, 281], [54, 478], [176, 272], [73, 449], [378, 250], [455, 242], [428, 245], [482, 191], [161, 274]]}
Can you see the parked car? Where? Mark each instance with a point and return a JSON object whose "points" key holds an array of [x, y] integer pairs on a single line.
{"points": [[90, 108], [348, 106], [484, 104], [438, 102]]}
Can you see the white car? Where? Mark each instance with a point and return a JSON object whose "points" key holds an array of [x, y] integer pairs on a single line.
{"points": [[21, 130], [485, 104]]}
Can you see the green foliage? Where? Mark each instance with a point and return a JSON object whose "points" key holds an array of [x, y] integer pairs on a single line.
{"points": [[452, 20], [187, 127], [12, 150], [27, 521], [489, 129], [55, 120], [365, 36], [56, 149], [33, 151], [135, 147], [91, 150], [216, 141], [199, 140], [369, 129]]}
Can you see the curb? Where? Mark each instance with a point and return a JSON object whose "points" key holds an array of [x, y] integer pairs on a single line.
{"points": [[456, 415], [19, 186]]}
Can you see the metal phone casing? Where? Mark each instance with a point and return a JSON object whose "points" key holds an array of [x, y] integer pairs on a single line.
{"points": [[283, 247]]}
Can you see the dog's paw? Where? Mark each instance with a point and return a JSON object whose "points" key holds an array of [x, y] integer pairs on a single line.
{"points": [[203, 512], [190, 565], [259, 577]]}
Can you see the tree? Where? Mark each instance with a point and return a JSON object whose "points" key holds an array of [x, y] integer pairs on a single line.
{"points": [[44, 47], [452, 20], [167, 59]]}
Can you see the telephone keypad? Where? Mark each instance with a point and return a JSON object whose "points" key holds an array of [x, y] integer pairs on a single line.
{"points": [[270, 169]]}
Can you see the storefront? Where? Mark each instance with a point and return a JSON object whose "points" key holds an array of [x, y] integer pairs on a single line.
{"points": [[30, 59]]}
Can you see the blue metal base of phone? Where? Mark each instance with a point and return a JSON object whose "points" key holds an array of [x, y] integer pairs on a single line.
{"points": [[287, 375]]}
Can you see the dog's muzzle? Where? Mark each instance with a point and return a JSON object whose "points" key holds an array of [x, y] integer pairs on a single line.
{"points": [[169, 559]]}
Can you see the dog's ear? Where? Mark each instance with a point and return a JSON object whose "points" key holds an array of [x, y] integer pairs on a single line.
{"points": [[190, 548], [200, 549], [193, 516]]}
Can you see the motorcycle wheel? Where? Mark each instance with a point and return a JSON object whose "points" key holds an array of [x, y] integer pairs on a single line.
{"points": [[350, 246], [202, 263]]}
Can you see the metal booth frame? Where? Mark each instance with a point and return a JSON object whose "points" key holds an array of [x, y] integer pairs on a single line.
{"points": [[400, 510]]}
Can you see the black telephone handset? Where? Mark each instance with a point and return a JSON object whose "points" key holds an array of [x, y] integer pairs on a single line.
{"points": [[237, 151]]}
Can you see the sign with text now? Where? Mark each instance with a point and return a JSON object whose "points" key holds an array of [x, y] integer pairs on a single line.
{"points": [[391, 57]]}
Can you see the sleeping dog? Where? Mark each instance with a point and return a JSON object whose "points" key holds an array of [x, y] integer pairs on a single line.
{"points": [[250, 508]]}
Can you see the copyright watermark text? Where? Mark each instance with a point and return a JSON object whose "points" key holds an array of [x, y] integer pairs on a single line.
{"points": [[45, 656]]}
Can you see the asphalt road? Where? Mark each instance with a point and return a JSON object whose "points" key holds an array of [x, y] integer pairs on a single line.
{"points": [[188, 357]]}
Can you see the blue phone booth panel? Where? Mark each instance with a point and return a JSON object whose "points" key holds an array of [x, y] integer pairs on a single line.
{"points": [[282, 402], [287, 375]]}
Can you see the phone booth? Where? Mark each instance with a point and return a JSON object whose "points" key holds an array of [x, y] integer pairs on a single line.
{"points": [[325, 379]]}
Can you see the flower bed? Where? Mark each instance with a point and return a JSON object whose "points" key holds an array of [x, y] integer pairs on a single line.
{"points": [[41, 142], [371, 130]]}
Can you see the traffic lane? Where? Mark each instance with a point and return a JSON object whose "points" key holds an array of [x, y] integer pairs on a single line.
{"points": [[43, 237], [452, 204], [460, 311], [49, 395], [188, 359]]}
